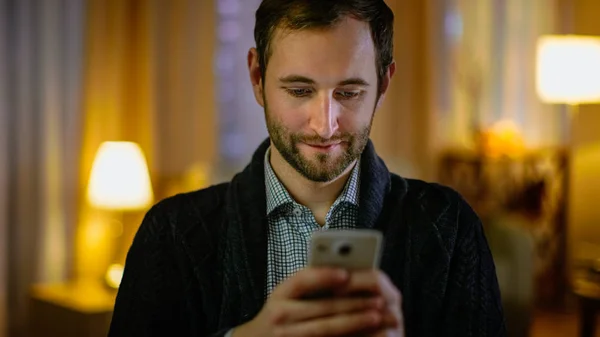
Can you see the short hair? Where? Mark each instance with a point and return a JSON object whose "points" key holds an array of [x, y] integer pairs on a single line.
{"points": [[295, 15]]}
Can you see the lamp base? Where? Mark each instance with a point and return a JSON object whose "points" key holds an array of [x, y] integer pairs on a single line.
{"points": [[114, 274]]}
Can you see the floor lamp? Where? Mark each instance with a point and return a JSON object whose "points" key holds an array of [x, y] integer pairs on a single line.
{"points": [[568, 72]]}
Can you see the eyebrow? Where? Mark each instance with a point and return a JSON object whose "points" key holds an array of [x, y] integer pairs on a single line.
{"points": [[303, 79]]}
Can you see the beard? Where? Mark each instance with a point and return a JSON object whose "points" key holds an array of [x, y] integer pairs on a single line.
{"points": [[320, 167]]}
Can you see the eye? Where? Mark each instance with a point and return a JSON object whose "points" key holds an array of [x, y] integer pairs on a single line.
{"points": [[298, 92], [348, 94]]}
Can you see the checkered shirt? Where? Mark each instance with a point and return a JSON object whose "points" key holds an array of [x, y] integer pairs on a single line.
{"points": [[292, 224]]}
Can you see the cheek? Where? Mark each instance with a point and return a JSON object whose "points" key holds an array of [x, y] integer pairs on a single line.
{"points": [[282, 112], [353, 120]]}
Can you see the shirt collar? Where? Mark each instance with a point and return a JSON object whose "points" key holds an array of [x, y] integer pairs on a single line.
{"points": [[278, 196]]}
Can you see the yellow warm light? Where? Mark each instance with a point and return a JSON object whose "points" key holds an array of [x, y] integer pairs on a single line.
{"points": [[568, 69], [504, 138], [114, 274], [120, 179]]}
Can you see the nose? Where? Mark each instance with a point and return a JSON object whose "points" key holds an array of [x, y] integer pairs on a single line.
{"points": [[324, 116]]}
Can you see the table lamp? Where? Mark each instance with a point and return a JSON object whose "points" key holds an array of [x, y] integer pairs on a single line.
{"points": [[568, 70], [119, 182]]}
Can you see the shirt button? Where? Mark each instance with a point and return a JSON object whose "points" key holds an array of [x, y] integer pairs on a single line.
{"points": [[297, 211]]}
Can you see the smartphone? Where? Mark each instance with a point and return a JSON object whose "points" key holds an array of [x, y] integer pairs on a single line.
{"points": [[354, 249]]}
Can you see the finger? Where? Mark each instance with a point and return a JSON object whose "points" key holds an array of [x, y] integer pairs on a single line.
{"points": [[362, 282], [385, 330], [392, 325], [311, 280], [377, 333], [392, 318], [305, 310], [338, 325], [389, 290], [373, 282]]}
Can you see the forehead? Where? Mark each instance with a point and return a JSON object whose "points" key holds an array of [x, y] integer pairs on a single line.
{"points": [[334, 53]]}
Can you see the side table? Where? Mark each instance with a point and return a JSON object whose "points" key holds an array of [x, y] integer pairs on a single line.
{"points": [[588, 295], [71, 309]]}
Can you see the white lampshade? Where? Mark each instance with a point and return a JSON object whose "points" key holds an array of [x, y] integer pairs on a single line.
{"points": [[568, 69], [119, 179]]}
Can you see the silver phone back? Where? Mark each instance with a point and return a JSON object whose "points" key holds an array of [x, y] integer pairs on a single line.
{"points": [[349, 249]]}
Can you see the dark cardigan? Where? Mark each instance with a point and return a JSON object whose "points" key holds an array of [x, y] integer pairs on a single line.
{"points": [[198, 262]]}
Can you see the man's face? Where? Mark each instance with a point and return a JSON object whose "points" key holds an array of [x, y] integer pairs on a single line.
{"points": [[319, 94]]}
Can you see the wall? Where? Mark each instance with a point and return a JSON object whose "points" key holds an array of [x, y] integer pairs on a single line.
{"points": [[402, 126], [584, 211]]}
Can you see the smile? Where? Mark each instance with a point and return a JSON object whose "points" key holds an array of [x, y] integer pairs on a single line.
{"points": [[324, 147]]}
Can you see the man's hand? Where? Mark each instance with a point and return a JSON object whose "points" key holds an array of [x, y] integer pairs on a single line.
{"points": [[375, 283], [288, 313]]}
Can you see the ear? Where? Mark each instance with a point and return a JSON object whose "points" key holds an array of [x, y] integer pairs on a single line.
{"points": [[386, 82], [255, 76]]}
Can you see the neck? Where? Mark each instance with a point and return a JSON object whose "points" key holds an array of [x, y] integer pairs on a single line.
{"points": [[317, 196]]}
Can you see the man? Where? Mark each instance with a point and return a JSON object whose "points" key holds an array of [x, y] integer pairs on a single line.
{"points": [[231, 259]]}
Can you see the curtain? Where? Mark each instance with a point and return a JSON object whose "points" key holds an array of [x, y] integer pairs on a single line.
{"points": [[485, 55], [3, 172], [39, 147], [186, 119]]}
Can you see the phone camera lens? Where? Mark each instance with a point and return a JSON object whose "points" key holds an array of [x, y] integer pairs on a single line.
{"points": [[345, 249]]}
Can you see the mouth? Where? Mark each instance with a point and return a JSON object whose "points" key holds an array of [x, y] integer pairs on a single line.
{"points": [[324, 147]]}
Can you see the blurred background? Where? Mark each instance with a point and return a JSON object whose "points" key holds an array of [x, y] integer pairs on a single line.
{"points": [[108, 106]]}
